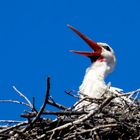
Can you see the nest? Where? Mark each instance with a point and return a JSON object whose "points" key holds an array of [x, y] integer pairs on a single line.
{"points": [[116, 116]]}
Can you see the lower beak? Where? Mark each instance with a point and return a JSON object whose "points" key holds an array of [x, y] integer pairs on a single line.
{"points": [[93, 45], [88, 54]]}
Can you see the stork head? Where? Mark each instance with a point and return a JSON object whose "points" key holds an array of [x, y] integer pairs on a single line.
{"points": [[102, 52]]}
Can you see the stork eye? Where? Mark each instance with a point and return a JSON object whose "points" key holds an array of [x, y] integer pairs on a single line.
{"points": [[107, 48]]}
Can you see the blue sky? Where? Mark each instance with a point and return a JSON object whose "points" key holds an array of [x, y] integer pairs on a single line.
{"points": [[34, 43]]}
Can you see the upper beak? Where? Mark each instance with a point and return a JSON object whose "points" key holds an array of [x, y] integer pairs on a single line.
{"points": [[93, 45]]}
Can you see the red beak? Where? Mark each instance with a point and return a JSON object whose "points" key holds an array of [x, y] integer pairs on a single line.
{"points": [[93, 45]]}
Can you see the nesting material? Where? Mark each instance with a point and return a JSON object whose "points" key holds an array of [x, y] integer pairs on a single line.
{"points": [[117, 117]]}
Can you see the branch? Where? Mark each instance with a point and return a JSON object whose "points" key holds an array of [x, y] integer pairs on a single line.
{"points": [[45, 102], [67, 113], [130, 94], [70, 93], [10, 121], [23, 96], [17, 102], [59, 106], [34, 109]]}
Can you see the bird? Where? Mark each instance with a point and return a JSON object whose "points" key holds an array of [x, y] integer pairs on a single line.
{"points": [[103, 61]]}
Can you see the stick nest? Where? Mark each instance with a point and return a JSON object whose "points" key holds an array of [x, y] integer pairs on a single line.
{"points": [[116, 116]]}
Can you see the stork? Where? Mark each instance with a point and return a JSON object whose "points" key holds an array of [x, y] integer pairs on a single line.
{"points": [[103, 61]]}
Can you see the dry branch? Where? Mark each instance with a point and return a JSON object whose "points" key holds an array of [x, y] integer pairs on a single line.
{"points": [[15, 101], [23, 96], [45, 102], [33, 114]]}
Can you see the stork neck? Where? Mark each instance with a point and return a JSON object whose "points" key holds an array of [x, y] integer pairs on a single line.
{"points": [[93, 83], [100, 70]]}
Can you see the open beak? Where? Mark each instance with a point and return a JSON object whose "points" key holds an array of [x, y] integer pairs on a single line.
{"points": [[93, 45]]}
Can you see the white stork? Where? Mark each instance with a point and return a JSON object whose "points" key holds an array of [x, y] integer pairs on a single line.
{"points": [[103, 61]]}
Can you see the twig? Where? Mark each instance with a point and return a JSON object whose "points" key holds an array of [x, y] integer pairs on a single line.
{"points": [[10, 121], [17, 102], [70, 93], [33, 114], [59, 106], [131, 93], [45, 102], [53, 103], [51, 98], [34, 109], [51, 135], [23, 96]]}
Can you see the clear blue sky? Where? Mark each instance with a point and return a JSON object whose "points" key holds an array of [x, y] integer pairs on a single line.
{"points": [[34, 43]]}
